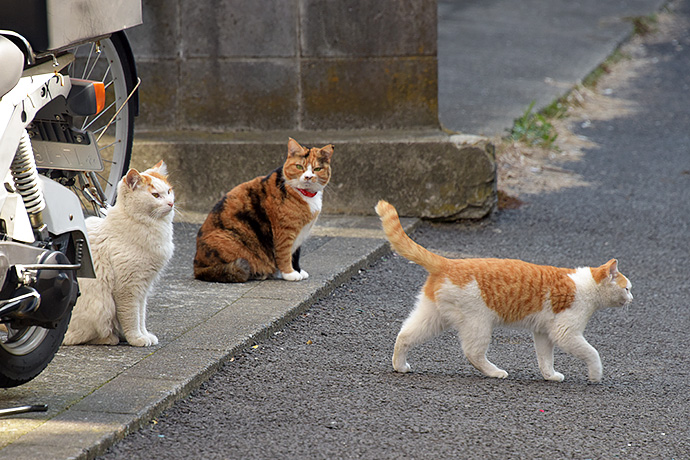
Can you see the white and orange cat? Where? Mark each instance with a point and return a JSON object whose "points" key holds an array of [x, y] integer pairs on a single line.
{"points": [[474, 296], [130, 247]]}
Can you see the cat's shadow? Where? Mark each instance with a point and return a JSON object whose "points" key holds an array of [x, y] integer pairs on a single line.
{"points": [[517, 380]]}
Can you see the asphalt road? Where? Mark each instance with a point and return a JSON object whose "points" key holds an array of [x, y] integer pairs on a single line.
{"points": [[324, 386], [495, 57]]}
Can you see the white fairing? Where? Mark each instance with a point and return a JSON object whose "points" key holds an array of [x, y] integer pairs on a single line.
{"points": [[63, 213], [17, 109], [15, 217]]}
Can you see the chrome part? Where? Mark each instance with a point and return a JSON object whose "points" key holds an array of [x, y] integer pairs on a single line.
{"points": [[129, 96], [25, 302], [22, 341], [80, 155], [4, 267], [28, 50], [54, 65], [47, 266]]}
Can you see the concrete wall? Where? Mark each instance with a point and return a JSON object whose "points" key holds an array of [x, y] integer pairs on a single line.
{"points": [[219, 65], [225, 82]]}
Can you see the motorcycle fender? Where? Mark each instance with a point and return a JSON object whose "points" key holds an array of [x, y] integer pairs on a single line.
{"points": [[13, 213], [63, 215]]}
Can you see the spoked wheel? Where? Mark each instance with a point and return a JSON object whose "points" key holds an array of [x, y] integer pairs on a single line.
{"points": [[108, 61], [26, 351]]}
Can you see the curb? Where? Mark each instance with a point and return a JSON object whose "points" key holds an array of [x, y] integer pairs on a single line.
{"points": [[106, 393]]}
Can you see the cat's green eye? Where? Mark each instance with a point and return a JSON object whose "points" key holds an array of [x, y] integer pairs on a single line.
{"points": [[300, 167], [156, 195], [317, 169]]}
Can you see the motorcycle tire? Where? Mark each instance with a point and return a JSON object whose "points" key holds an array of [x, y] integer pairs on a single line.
{"points": [[28, 354], [110, 61]]}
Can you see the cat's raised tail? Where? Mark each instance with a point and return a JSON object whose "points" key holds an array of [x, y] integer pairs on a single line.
{"points": [[403, 244]]}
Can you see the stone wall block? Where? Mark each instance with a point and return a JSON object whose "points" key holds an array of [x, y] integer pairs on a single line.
{"points": [[239, 28], [159, 35], [279, 64], [396, 93], [435, 180], [368, 28], [225, 82], [219, 95], [157, 94], [202, 173]]}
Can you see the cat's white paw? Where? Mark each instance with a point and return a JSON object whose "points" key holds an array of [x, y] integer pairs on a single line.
{"points": [[304, 274], [556, 377], [293, 276], [498, 374], [152, 338], [595, 378], [595, 372], [140, 341], [404, 369]]}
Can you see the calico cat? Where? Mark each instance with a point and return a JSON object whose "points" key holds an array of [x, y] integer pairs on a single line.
{"points": [[130, 247], [475, 295], [256, 230]]}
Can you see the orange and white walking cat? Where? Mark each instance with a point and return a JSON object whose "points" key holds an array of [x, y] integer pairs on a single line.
{"points": [[474, 296]]}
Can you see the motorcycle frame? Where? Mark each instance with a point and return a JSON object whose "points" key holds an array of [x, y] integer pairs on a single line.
{"points": [[63, 213]]}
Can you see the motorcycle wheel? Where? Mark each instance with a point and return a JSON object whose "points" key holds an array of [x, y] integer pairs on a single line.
{"points": [[109, 61], [25, 352]]}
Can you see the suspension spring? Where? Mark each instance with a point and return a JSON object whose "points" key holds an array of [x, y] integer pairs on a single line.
{"points": [[25, 177]]}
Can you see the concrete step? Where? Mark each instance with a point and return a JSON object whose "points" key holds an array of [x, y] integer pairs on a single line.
{"points": [[428, 173]]}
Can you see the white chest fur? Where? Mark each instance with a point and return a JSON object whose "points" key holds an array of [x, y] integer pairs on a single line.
{"points": [[314, 202], [315, 207]]}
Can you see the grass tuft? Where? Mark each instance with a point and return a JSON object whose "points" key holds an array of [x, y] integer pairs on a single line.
{"points": [[534, 128], [644, 25]]}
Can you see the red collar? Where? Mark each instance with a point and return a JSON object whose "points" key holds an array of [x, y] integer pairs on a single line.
{"points": [[307, 193]]}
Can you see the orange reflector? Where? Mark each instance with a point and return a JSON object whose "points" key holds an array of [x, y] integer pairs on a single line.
{"points": [[86, 97], [99, 88]]}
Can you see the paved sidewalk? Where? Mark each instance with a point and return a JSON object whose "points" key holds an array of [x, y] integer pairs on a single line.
{"points": [[96, 394]]}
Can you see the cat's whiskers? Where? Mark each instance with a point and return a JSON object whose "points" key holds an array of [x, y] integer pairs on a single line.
{"points": [[180, 213]]}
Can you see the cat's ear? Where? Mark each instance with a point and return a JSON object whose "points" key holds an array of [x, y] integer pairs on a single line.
{"points": [[161, 168], [327, 152], [132, 179], [294, 148], [612, 268]]}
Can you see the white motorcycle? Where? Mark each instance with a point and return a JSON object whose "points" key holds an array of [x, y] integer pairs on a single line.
{"points": [[67, 108]]}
